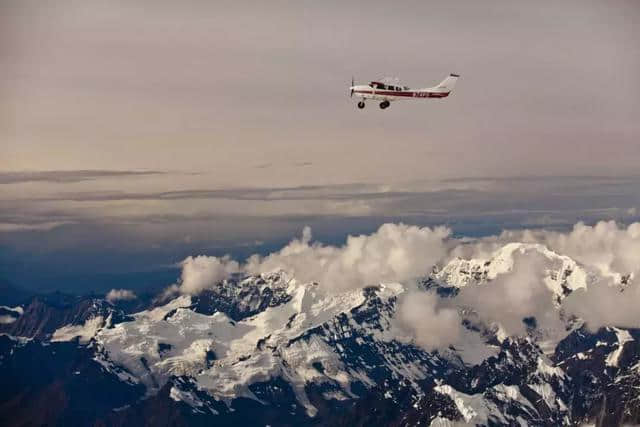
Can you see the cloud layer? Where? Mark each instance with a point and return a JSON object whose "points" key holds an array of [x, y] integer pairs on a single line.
{"points": [[395, 252], [69, 175], [120, 295], [515, 301]]}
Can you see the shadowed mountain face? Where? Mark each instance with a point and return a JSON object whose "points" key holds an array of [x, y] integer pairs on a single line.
{"points": [[11, 295], [268, 350]]}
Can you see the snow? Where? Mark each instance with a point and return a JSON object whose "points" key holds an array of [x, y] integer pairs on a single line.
{"points": [[475, 409], [547, 394], [84, 332], [19, 340], [561, 269], [254, 349], [189, 398], [546, 370], [5, 319], [17, 309], [623, 337]]}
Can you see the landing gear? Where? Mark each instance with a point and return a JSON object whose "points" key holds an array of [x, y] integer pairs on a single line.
{"points": [[361, 105], [384, 104]]}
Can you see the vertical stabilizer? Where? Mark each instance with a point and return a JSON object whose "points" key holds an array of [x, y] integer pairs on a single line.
{"points": [[447, 84]]}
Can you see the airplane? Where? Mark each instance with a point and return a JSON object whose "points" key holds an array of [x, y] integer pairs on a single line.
{"points": [[385, 92]]}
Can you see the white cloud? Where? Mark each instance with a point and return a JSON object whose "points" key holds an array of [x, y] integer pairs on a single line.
{"points": [[395, 252], [515, 295], [606, 247], [120, 294], [611, 249], [605, 305], [425, 318], [202, 272]]}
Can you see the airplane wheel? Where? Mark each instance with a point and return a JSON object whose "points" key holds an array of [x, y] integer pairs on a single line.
{"points": [[384, 104], [361, 105]]}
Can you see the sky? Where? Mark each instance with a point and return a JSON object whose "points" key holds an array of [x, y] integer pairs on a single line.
{"points": [[134, 134]]}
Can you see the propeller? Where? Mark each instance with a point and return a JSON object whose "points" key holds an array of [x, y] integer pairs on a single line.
{"points": [[352, 83]]}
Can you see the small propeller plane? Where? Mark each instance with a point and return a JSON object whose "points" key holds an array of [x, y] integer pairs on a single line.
{"points": [[387, 92]]}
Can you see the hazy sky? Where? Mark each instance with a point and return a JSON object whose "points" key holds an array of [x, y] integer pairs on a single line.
{"points": [[247, 92], [162, 127]]}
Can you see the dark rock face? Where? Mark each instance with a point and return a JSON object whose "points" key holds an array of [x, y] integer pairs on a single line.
{"points": [[56, 384], [605, 375], [240, 298]]}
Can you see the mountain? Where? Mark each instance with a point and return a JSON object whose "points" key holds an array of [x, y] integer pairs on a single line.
{"points": [[563, 275], [11, 295], [269, 350]]}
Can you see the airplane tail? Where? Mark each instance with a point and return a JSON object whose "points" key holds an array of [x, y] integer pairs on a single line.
{"points": [[448, 84]]}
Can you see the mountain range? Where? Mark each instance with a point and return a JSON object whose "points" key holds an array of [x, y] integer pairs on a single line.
{"points": [[267, 349]]}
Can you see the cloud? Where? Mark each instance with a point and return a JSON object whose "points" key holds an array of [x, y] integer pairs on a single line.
{"points": [[605, 305], [395, 252], [202, 272], [607, 247], [44, 226], [513, 296], [520, 298], [69, 176], [120, 295], [424, 316], [611, 249]]}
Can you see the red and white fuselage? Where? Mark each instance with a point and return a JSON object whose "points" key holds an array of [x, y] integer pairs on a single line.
{"points": [[389, 92]]}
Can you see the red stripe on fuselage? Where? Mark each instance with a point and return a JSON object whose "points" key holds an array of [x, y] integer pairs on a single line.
{"points": [[411, 94]]}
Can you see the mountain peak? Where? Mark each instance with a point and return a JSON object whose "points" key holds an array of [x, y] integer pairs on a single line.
{"points": [[562, 275]]}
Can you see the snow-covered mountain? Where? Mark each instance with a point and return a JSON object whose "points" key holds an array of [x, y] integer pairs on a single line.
{"points": [[269, 350], [562, 274]]}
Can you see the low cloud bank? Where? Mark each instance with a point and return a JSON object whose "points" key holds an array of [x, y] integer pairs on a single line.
{"points": [[516, 300], [608, 248], [395, 252], [120, 295]]}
